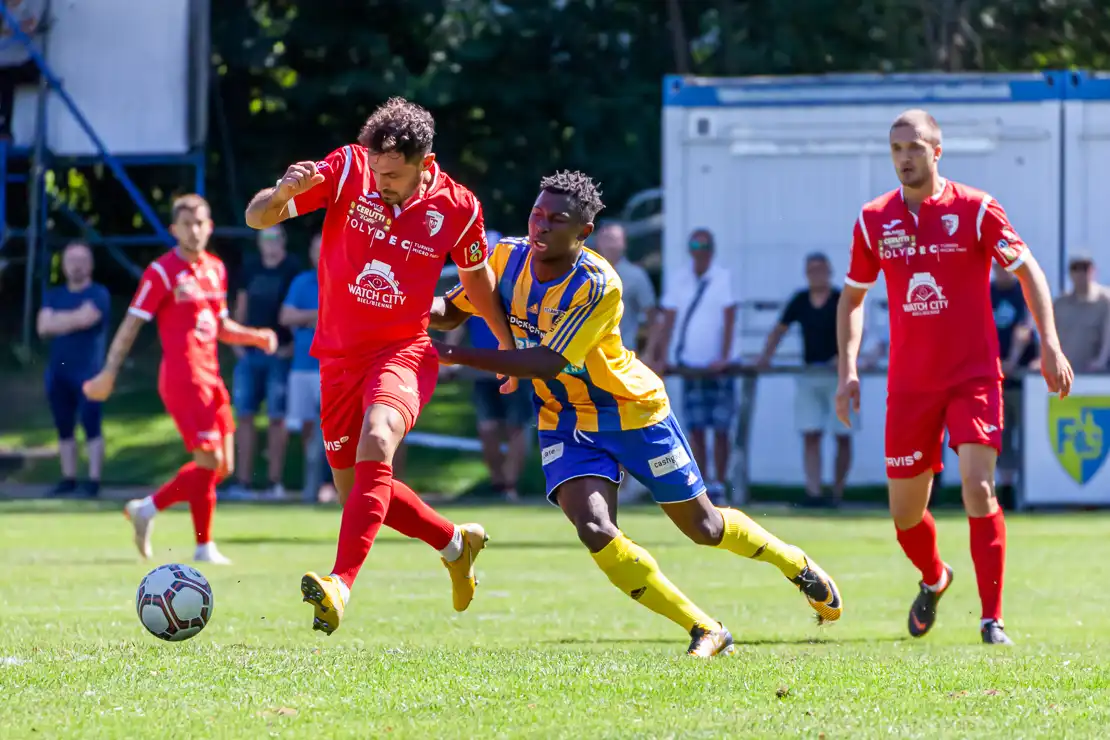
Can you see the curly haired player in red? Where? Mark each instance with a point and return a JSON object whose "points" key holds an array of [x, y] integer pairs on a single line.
{"points": [[185, 292], [935, 240], [392, 217]]}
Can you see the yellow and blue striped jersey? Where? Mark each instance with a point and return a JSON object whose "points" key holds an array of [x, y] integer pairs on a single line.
{"points": [[604, 387]]}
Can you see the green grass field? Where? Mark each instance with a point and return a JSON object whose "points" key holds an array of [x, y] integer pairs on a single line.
{"points": [[548, 649]]}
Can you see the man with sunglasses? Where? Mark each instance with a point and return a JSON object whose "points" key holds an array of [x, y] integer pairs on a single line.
{"points": [[699, 321]]}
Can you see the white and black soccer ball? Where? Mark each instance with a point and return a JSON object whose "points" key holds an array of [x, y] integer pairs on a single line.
{"points": [[174, 602]]}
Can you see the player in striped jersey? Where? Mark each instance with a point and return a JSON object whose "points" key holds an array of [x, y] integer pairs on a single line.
{"points": [[600, 408]]}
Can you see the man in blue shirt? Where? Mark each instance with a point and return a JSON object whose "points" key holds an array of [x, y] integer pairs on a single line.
{"points": [[298, 314], [264, 282], [74, 317]]}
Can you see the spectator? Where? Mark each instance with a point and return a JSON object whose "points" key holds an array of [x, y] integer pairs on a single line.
{"points": [[16, 65], [700, 304], [639, 294], [74, 317], [814, 310], [264, 283], [1083, 318], [298, 314], [1017, 349], [503, 420]]}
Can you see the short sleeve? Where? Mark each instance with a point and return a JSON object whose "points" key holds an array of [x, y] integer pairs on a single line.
{"points": [[154, 287], [335, 168], [998, 237], [498, 258], [294, 297], [593, 313], [102, 299], [221, 307], [471, 250], [792, 312], [50, 299], [645, 290], [863, 263], [722, 285]]}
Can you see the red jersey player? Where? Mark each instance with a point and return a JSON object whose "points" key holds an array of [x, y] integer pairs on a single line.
{"points": [[392, 217], [185, 291], [935, 240]]}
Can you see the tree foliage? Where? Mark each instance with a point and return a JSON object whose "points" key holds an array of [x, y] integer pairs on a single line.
{"points": [[522, 87]]}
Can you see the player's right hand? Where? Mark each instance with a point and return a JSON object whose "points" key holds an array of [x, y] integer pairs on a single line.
{"points": [[1057, 371], [300, 176], [100, 386], [847, 400]]}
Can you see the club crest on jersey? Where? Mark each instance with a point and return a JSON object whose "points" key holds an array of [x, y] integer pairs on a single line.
{"points": [[951, 222], [433, 219], [1078, 427]]}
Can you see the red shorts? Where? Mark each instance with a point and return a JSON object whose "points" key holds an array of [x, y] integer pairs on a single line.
{"points": [[402, 375], [203, 416], [915, 424]]}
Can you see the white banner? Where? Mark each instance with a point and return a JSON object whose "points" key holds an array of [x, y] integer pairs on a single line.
{"points": [[1066, 443]]}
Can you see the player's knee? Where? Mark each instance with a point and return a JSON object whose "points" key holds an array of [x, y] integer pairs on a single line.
{"points": [[976, 488], [382, 431], [595, 533], [706, 529]]}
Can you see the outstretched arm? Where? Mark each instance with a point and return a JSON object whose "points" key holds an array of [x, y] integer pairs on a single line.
{"points": [[533, 362], [234, 333], [100, 386]]}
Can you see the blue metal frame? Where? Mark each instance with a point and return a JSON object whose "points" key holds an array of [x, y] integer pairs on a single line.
{"points": [[116, 163]]}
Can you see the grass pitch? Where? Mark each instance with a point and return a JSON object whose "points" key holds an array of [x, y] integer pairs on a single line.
{"points": [[548, 649]]}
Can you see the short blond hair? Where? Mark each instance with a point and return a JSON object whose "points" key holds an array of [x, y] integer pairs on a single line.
{"points": [[922, 121]]}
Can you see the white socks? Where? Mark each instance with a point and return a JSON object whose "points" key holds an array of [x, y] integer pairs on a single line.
{"points": [[344, 589], [146, 508], [454, 548], [939, 585]]}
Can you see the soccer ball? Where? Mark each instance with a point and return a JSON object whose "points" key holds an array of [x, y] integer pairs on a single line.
{"points": [[174, 602]]}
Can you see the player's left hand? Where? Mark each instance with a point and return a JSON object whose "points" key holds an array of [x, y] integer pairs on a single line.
{"points": [[1057, 371], [267, 341], [100, 386], [509, 386]]}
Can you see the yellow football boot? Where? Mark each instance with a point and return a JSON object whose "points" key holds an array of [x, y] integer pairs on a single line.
{"points": [[820, 591], [463, 582], [326, 599]]}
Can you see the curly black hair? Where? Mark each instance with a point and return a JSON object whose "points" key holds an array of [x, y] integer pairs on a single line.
{"points": [[399, 126], [582, 190]]}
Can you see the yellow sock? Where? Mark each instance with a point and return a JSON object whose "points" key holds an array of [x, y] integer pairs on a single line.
{"points": [[749, 540], [633, 570]]}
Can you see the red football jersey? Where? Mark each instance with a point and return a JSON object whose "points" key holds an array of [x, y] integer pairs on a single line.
{"points": [[187, 299], [938, 269], [379, 264]]}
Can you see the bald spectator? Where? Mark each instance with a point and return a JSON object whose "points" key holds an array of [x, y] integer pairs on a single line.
{"points": [[639, 294], [1083, 318], [74, 317]]}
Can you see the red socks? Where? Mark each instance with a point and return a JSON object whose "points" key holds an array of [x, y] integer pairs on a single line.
{"points": [[919, 542], [196, 485], [363, 515], [409, 515], [988, 552]]}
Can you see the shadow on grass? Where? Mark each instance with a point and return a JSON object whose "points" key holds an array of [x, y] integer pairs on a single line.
{"points": [[753, 641]]}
